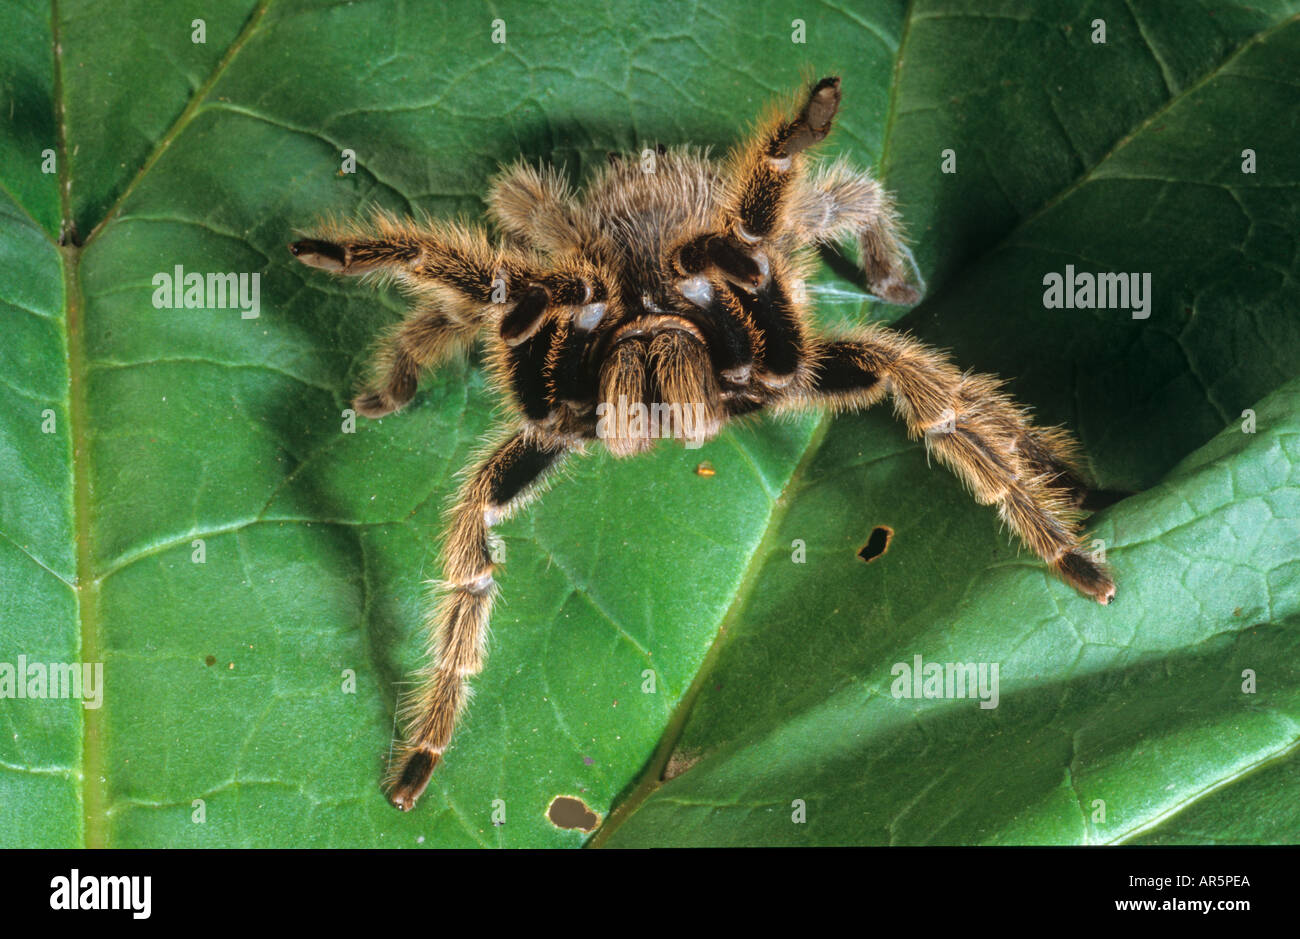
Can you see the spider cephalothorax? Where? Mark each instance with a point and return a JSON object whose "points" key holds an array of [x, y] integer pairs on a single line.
{"points": [[672, 289]]}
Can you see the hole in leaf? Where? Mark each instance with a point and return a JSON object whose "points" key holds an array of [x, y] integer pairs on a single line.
{"points": [[568, 812], [877, 544]]}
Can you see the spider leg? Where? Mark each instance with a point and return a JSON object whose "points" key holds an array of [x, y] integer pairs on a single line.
{"points": [[524, 363], [979, 433], [756, 293], [455, 262], [417, 255], [545, 336], [779, 324], [429, 335], [504, 481], [454, 275], [536, 207], [461, 284], [760, 175], [747, 315], [763, 171], [569, 377], [841, 202]]}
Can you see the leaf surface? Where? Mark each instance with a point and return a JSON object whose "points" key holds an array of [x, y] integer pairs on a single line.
{"points": [[135, 439]]}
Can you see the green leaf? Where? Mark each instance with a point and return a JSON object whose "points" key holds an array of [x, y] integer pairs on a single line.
{"points": [[1110, 722], [128, 433]]}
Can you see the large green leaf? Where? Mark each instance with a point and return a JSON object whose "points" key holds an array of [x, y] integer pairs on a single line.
{"points": [[129, 432]]}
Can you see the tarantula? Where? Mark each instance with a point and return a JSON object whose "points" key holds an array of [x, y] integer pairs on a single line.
{"points": [[672, 282]]}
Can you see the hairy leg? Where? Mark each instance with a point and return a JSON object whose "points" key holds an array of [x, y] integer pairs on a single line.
{"points": [[506, 479], [455, 262], [428, 336], [841, 202], [535, 207], [416, 254], [764, 170], [453, 274], [461, 283], [739, 263], [979, 433], [759, 179]]}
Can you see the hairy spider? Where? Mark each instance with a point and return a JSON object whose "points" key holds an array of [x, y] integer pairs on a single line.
{"points": [[672, 283]]}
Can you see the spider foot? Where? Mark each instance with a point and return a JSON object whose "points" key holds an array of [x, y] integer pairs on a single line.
{"points": [[814, 121], [897, 291], [322, 254], [412, 779], [1086, 576]]}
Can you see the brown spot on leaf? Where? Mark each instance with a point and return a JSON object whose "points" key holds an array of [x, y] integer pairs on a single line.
{"points": [[568, 812], [680, 762]]}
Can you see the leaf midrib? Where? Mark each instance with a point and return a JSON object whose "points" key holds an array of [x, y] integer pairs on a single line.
{"points": [[94, 779], [93, 788]]}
